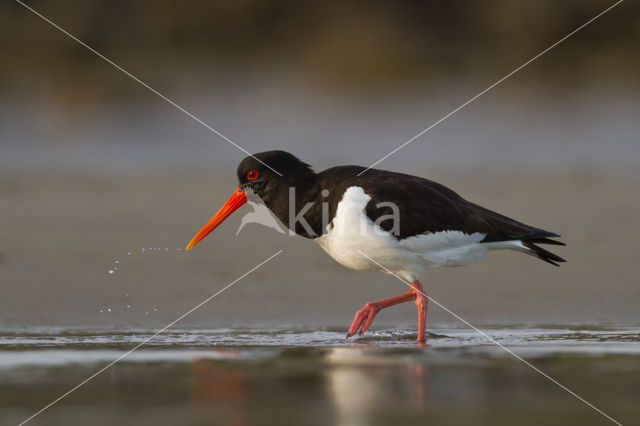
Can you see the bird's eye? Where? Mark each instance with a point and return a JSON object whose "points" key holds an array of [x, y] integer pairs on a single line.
{"points": [[252, 174]]}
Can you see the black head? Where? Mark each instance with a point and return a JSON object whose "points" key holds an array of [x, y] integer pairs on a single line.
{"points": [[269, 174]]}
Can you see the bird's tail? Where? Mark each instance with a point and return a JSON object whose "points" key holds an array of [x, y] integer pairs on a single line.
{"points": [[541, 253]]}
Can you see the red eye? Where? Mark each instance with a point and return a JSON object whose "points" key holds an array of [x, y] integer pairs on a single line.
{"points": [[253, 174]]}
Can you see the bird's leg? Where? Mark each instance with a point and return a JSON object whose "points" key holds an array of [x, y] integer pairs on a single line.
{"points": [[421, 302], [364, 317]]}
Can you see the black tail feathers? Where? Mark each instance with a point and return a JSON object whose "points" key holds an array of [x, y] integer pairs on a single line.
{"points": [[541, 253]]}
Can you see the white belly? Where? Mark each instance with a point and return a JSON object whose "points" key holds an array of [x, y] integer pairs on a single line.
{"points": [[352, 233]]}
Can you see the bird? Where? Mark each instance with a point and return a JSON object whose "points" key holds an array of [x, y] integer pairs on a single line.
{"points": [[377, 220]]}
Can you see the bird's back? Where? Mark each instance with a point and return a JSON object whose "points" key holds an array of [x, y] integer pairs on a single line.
{"points": [[427, 207]]}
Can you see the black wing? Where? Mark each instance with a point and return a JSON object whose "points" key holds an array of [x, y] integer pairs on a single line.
{"points": [[426, 207]]}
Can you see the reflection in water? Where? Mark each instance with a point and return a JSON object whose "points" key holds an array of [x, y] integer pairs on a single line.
{"points": [[357, 385], [219, 391], [312, 377], [418, 377], [362, 384]]}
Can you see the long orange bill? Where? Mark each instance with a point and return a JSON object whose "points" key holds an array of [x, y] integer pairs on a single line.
{"points": [[233, 203]]}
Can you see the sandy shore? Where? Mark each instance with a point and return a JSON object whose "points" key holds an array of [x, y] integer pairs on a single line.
{"points": [[61, 233]]}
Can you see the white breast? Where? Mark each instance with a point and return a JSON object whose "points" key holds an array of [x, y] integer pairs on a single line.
{"points": [[351, 232]]}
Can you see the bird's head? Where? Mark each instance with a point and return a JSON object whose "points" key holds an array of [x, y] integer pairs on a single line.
{"points": [[267, 175]]}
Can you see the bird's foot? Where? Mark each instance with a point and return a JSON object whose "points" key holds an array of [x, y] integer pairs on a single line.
{"points": [[363, 319]]}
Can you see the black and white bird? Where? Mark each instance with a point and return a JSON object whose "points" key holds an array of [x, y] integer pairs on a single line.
{"points": [[379, 221]]}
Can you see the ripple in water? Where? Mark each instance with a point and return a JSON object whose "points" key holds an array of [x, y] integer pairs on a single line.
{"points": [[529, 341]]}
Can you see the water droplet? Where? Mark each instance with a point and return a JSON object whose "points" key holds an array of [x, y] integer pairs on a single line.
{"points": [[126, 294], [102, 311], [155, 309], [117, 261], [108, 309], [128, 306], [129, 253], [111, 272], [146, 313], [166, 249]]}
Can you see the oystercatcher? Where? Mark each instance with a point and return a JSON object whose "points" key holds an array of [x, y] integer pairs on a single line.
{"points": [[407, 224]]}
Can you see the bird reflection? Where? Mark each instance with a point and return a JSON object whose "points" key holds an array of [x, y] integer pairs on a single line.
{"points": [[364, 383], [220, 391]]}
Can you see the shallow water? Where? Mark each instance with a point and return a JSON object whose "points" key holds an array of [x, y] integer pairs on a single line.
{"points": [[526, 341], [316, 376]]}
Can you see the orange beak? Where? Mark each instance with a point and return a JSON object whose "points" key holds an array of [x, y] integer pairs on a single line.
{"points": [[233, 203]]}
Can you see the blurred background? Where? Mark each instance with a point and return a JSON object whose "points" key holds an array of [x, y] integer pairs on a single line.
{"points": [[93, 166]]}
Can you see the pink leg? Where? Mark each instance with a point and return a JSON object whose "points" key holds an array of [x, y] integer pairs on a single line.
{"points": [[364, 317], [421, 302]]}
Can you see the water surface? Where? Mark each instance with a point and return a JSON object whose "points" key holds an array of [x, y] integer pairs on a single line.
{"points": [[315, 376]]}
